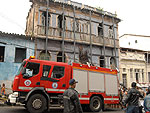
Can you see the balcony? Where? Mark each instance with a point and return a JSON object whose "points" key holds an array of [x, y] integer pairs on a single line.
{"points": [[57, 34]]}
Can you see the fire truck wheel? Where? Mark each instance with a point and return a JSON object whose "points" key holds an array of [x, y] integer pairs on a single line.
{"points": [[96, 104], [36, 103]]}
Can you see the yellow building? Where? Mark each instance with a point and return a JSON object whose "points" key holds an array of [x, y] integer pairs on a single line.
{"points": [[134, 60]]}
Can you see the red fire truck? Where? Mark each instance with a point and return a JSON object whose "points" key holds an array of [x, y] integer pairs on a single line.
{"points": [[40, 84]]}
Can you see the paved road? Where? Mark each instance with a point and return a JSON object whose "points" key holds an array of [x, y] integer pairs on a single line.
{"points": [[20, 109]]}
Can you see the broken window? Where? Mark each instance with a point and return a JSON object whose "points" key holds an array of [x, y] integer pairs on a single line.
{"points": [[31, 69], [60, 57], [102, 61], [58, 72], [83, 55], [44, 18], [20, 54], [100, 30], [110, 32], [112, 63], [2, 51], [43, 55], [60, 24], [77, 26], [87, 28], [60, 21], [46, 70]]}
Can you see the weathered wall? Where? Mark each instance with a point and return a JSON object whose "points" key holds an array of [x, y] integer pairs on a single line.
{"points": [[54, 47], [9, 68]]}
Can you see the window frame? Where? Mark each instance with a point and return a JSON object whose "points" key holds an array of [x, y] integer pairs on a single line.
{"points": [[53, 70]]}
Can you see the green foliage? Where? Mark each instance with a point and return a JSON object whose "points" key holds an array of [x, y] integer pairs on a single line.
{"points": [[99, 8]]}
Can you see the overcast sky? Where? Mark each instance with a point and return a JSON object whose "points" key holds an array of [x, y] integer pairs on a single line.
{"points": [[134, 14]]}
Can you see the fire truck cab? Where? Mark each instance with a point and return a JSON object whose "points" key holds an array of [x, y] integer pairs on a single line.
{"points": [[40, 84]]}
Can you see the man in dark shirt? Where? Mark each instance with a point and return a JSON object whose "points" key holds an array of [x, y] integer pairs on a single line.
{"points": [[71, 100], [132, 99], [148, 92]]}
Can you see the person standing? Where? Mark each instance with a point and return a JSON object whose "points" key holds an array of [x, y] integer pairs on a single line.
{"points": [[132, 100], [146, 104], [71, 99], [3, 89], [148, 91]]}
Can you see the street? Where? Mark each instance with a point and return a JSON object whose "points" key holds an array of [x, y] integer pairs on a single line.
{"points": [[20, 109]]}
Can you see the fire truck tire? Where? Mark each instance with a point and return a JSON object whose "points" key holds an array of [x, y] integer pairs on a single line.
{"points": [[96, 104], [36, 103]]}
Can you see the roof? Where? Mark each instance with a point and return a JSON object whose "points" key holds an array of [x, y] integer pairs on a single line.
{"points": [[135, 42], [83, 7], [14, 35], [133, 35]]}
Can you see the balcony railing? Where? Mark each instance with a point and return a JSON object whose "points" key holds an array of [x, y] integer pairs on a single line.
{"points": [[57, 33]]}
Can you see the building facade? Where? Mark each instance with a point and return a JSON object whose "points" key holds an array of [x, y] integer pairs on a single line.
{"points": [[14, 49], [66, 31], [134, 59]]}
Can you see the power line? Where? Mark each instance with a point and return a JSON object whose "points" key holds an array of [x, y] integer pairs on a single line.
{"points": [[10, 20]]}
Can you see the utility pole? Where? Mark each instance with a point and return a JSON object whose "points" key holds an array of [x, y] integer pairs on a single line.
{"points": [[63, 36], [46, 29]]}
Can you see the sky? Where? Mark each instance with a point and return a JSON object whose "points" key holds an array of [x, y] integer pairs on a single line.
{"points": [[134, 14]]}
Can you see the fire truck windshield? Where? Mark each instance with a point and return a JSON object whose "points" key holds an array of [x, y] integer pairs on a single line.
{"points": [[21, 67], [31, 69]]}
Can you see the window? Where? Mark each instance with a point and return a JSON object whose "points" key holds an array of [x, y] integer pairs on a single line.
{"points": [[149, 76], [58, 72], [100, 30], [124, 69], [77, 26], [60, 57], [124, 79], [147, 57], [136, 41], [137, 74], [20, 54], [143, 75], [60, 21], [87, 28], [131, 72], [32, 69], [46, 70], [110, 32], [43, 55], [44, 18], [2, 51], [60, 24], [112, 63], [102, 61]]}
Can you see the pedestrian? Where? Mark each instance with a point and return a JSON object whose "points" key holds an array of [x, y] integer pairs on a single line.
{"points": [[148, 91], [71, 99], [146, 104], [132, 100], [3, 89]]}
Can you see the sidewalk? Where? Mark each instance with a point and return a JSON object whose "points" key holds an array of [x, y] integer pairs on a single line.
{"points": [[3, 100]]}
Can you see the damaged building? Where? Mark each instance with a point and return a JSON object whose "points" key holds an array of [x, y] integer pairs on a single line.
{"points": [[67, 31]]}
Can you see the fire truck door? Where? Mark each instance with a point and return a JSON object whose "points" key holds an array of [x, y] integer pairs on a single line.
{"points": [[58, 78], [45, 75]]}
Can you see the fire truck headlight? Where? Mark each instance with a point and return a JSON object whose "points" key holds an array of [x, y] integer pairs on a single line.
{"points": [[14, 95]]}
